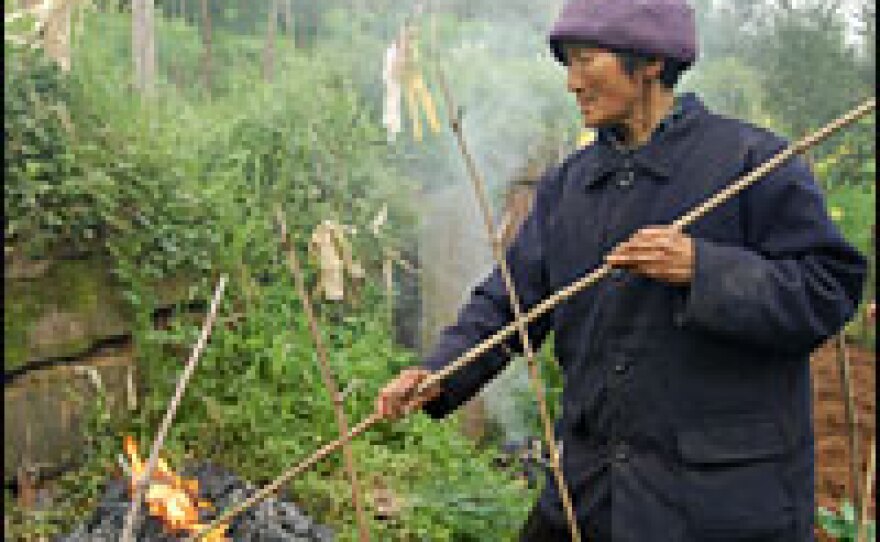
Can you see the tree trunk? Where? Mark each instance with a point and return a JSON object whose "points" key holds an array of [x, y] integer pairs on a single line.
{"points": [[269, 49], [206, 42], [308, 23], [143, 47], [137, 43], [150, 49], [56, 33], [288, 18]]}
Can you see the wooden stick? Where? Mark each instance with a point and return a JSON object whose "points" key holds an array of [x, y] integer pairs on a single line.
{"points": [[851, 425], [141, 483], [498, 252], [326, 375], [546, 305]]}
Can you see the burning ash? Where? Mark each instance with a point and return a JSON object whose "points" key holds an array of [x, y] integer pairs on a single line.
{"points": [[178, 505], [171, 499]]}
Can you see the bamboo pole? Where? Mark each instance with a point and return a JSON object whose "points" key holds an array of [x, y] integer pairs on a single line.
{"points": [[205, 12], [546, 305], [851, 424], [498, 252], [326, 375], [141, 483]]}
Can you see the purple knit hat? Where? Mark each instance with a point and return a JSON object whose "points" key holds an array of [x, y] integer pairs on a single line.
{"points": [[663, 28]]}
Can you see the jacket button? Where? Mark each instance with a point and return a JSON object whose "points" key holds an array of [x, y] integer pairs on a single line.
{"points": [[621, 455], [626, 180], [678, 318], [621, 367]]}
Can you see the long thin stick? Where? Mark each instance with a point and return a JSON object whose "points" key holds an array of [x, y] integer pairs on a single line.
{"points": [[326, 375], [542, 308], [498, 252], [143, 480], [852, 429]]}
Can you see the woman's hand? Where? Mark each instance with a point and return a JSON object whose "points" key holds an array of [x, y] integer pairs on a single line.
{"points": [[401, 396], [659, 252]]}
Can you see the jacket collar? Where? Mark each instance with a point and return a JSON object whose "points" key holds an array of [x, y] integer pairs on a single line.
{"points": [[654, 157]]}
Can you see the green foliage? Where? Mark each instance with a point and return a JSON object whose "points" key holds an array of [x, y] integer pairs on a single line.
{"points": [[851, 161], [732, 87], [76, 184], [37, 205], [853, 208], [841, 524], [808, 45], [807, 66]]}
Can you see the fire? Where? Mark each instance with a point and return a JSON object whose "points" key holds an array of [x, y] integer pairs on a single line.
{"points": [[171, 499]]}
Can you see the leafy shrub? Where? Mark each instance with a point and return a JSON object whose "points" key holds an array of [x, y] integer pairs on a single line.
{"points": [[841, 524]]}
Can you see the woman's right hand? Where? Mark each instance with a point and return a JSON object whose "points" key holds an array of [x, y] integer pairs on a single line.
{"points": [[401, 396]]}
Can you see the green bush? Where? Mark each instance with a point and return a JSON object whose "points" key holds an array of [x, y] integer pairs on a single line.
{"points": [[841, 524]]}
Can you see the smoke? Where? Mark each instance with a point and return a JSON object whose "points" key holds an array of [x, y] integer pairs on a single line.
{"points": [[513, 105]]}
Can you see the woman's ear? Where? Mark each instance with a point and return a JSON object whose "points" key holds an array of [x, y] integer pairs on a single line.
{"points": [[653, 70]]}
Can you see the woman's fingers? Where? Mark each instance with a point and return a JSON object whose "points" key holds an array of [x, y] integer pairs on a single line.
{"points": [[402, 395], [664, 254]]}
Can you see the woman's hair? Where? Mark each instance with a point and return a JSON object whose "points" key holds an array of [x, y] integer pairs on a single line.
{"points": [[632, 60], [669, 76]]}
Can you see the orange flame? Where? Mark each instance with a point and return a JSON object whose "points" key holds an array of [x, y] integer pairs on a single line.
{"points": [[171, 499]]}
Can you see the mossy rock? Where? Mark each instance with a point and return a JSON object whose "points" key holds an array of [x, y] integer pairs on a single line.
{"points": [[63, 307], [44, 410], [61, 311]]}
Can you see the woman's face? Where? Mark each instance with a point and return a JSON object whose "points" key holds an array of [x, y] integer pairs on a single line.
{"points": [[605, 93]]}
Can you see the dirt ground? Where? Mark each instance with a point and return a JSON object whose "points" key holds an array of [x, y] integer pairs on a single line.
{"points": [[832, 444]]}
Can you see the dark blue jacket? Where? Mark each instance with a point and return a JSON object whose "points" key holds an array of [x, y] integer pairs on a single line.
{"points": [[686, 410]]}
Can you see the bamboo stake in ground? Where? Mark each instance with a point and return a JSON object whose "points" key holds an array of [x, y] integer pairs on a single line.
{"points": [[498, 253], [851, 425], [546, 305], [141, 483], [326, 375]]}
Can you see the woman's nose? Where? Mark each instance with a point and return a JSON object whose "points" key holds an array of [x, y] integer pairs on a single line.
{"points": [[573, 81]]}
